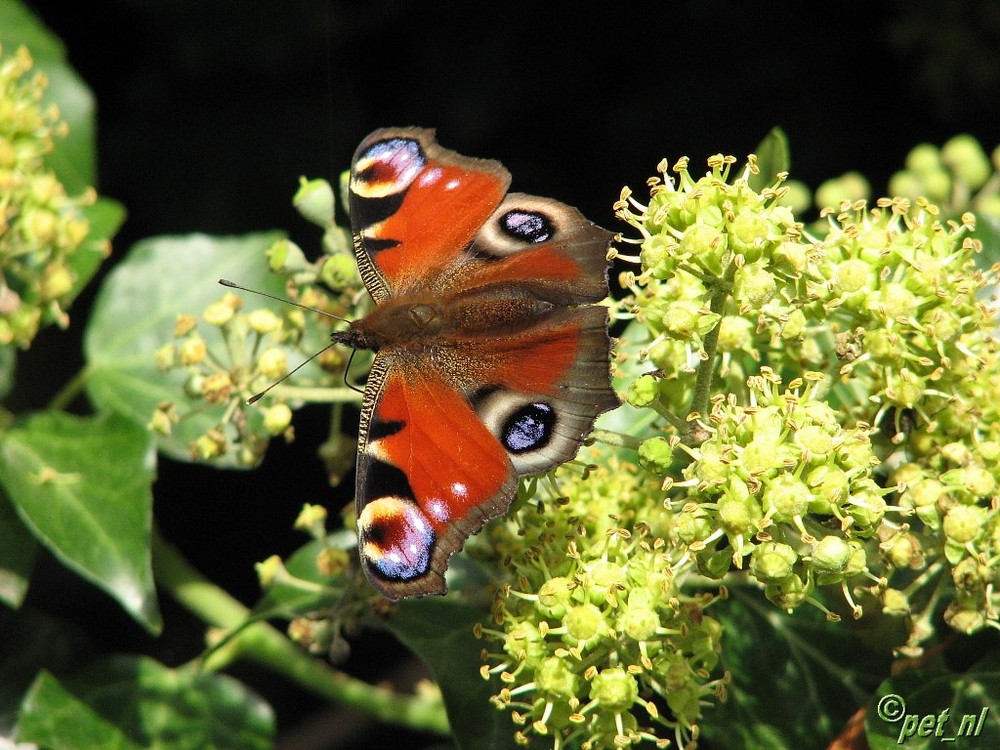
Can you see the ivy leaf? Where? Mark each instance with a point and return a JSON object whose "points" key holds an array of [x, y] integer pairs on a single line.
{"points": [[32, 642], [796, 678], [773, 156], [134, 315], [83, 488], [105, 217], [148, 705], [17, 555], [53, 718], [910, 709], [73, 157], [440, 632]]}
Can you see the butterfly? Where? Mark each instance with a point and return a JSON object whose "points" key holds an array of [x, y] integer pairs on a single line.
{"points": [[491, 360]]}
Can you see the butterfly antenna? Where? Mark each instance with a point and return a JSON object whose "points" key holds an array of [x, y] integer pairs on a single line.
{"points": [[234, 285], [257, 396]]}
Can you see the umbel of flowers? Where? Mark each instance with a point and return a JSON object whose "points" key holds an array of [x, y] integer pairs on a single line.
{"points": [[875, 468], [41, 228], [594, 642]]}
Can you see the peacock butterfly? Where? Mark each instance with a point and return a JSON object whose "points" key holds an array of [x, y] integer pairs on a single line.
{"points": [[491, 360]]}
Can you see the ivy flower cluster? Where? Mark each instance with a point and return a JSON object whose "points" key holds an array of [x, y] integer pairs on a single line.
{"points": [[41, 227], [593, 641], [876, 465], [957, 177], [779, 481], [256, 345]]}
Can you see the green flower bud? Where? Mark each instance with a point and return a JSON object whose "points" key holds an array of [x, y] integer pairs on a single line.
{"points": [[963, 523], [735, 334], [966, 621], [691, 527], [314, 200], [603, 577], [830, 556], [754, 285], [639, 623], [656, 456], [829, 487], [681, 319], [263, 321], [710, 466], [923, 158], [759, 457], [583, 623], [614, 689], [706, 245], [339, 272], [192, 351], [273, 363], [895, 603], [277, 419], [788, 593], [285, 255], [749, 233], [218, 313], [858, 563], [217, 388], [165, 357], [524, 643], [555, 596], [643, 391], [853, 275], [772, 562], [794, 325], [208, 446], [814, 439], [904, 551], [967, 159], [554, 679], [739, 516], [906, 184], [785, 498]]}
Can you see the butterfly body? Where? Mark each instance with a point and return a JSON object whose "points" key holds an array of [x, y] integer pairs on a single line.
{"points": [[491, 362]]}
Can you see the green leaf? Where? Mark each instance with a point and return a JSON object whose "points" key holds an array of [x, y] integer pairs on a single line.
{"points": [[773, 156], [32, 642], [909, 710], [439, 631], [157, 707], [17, 555], [83, 488], [796, 678], [54, 719], [305, 589], [73, 157], [105, 217], [987, 232], [134, 315]]}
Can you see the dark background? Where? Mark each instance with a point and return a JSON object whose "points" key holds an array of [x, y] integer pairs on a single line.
{"points": [[208, 112]]}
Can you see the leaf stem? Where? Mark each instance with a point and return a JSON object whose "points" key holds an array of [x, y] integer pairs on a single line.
{"points": [[265, 645], [69, 391]]}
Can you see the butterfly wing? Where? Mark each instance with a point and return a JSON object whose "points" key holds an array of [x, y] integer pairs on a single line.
{"points": [[430, 473], [446, 429], [415, 207]]}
